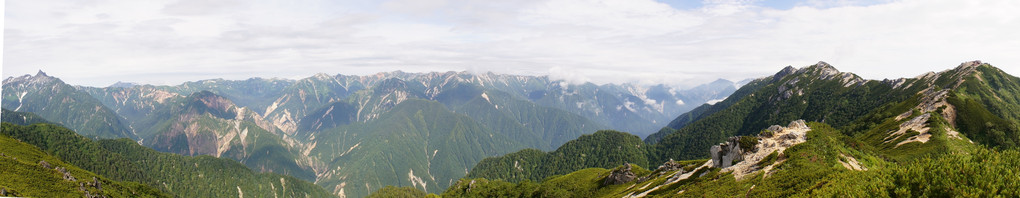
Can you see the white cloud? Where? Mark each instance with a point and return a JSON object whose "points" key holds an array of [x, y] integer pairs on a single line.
{"points": [[643, 41]]}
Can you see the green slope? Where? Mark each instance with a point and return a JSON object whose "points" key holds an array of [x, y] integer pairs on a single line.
{"points": [[810, 169], [534, 125], [418, 143], [603, 149], [815, 93], [207, 124], [22, 118], [22, 174], [180, 176]]}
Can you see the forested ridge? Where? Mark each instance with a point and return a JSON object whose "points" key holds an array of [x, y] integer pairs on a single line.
{"points": [[176, 175]]}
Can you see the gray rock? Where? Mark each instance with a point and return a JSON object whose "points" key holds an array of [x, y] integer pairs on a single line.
{"points": [[783, 73], [95, 183], [776, 129], [620, 176], [723, 155], [45, 164], [797, 124], [67, 174]]}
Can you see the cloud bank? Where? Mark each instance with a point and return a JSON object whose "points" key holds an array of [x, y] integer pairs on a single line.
{"points": [[99, 42]]}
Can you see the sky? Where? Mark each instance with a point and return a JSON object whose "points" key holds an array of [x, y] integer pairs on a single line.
{"points": [[677, 42]]}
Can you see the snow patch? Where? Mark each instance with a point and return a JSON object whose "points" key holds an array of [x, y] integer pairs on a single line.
{"points": [[20, 97], [680, 102], [486, 97]]}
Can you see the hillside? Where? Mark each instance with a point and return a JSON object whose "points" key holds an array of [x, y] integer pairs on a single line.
{"points": [[180, 176], [602, 149], [207, 124], [27, 171], [418, 143], [826, 163]]}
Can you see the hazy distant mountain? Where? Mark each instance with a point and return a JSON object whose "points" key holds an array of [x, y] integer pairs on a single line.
{"points": [[120, 84]]}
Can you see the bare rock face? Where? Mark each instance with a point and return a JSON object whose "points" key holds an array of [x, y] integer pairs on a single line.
{"points": [[783, 73], [798, 124], [723, 155], [45, 164], [620, 176]]}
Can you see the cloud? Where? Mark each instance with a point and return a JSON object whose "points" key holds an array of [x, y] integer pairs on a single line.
{"points": [[643, 41]]}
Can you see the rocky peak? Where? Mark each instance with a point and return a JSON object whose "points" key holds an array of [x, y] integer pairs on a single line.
{"points": [[322, 76], [121, 84], [206, 101], [828, 72], [390, 85], [956, 75], [783, 73], [39, 78]]}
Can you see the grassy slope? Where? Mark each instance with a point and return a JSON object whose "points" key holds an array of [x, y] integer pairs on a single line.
{"points": [[810, 169], [22, 175], [603, 149], [181, 176]]}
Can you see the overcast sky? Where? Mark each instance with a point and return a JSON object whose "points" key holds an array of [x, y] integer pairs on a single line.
{"points": [[98, 42]]}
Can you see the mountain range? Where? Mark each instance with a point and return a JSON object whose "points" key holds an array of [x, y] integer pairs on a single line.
{"points": [[807, 132], [940, 134], [355, 134]]}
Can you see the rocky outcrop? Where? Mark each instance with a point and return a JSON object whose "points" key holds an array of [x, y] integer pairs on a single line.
{"points": [[664, 169], [45, 164], [777, 140], [724, 155], [67, 174], [95, 183], [621, 175]]}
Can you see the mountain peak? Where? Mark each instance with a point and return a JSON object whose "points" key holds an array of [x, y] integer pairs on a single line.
{"points": [[122, 84], [41, 74], [821, 68], [969, 64], [783, 73], [322, 76]]}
